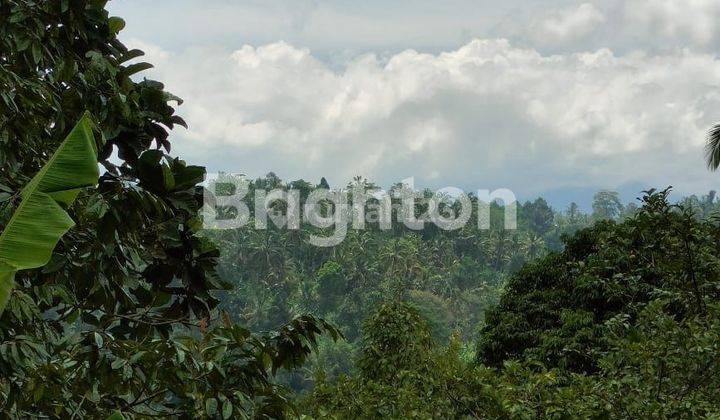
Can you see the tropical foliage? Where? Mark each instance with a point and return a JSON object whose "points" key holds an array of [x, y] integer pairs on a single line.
{"points": [[451, 277], [136, 313], [623, 323], [123, 316], [39, 221]]}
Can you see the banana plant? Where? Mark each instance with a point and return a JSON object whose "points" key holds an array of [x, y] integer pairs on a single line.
{"points": [[40, 220]]}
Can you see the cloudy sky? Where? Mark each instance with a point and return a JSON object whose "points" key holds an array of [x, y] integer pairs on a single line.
{"points": [[557, 98]]}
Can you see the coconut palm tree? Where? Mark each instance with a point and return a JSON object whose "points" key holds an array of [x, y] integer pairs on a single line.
{"points": [[532, 245], [498, 246]]}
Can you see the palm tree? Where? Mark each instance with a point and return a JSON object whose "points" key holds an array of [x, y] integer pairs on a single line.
{"points": [[712, 148], [498, 246], [533, 245]]}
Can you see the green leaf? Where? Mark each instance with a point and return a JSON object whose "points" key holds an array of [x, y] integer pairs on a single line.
{"points": [[227, 409], [117, 364], [36, 52], [131, 54], [33, 232], [137, 68], [116, 24], [17, 17], [116, 416], [98, 340], [39, 221], [211, 406], [155, 172], [7, 282], [177, 119]]}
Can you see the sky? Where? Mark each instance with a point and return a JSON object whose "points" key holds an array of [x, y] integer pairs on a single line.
{"points": [[554, 98]]}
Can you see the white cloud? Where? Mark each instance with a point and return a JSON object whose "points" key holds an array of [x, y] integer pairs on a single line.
{"points": [[332, 28], [566, 25], [657, 26], [692, 21], [485, 115], [325, 26]]}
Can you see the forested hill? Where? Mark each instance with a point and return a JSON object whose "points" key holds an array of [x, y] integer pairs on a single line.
{"points": [[452, 278], [623, 323]]}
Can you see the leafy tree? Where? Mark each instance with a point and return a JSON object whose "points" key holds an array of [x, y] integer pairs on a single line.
{"points": [[330, 285], [574, 215], [553, 309], [540, 215], [703, 207], [606, 205], [123, 317], [396, 338], [437, 312]]}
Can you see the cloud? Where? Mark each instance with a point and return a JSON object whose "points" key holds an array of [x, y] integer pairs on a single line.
{"points": [[485, 115], [347, 28], [325, 26], [655, 26], [565, 25], [691, 21]]}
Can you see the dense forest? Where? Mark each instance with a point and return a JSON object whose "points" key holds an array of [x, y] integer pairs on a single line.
{"points": [[138, 312]]}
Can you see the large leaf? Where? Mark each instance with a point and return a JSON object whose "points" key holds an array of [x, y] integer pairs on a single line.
{"points": [[117, 415], [7, 282], [40, 220]]}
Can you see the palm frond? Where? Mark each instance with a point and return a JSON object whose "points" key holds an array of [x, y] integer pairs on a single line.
{"points": [[712, 148]]}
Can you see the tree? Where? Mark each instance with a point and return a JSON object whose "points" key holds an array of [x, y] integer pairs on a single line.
{"points": [[553, 310], [124, 315], [574, 215], [498, 246], [540, 215], [331, 286], [395, 339], [532, 245], [607, 205]]}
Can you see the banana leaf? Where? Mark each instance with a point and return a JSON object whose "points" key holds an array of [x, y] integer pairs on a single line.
{"points": [[40, 220]]}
